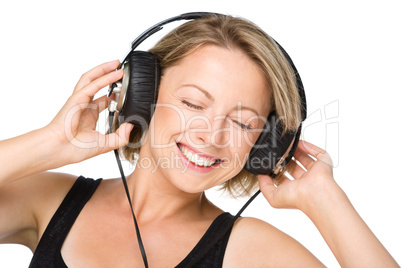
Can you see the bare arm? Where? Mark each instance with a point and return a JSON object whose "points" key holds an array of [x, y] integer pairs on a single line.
{"points": [[315, 192], [27, 205], [347, 235], [26, 192], [27, 154], [255, 243], [71, 136]]}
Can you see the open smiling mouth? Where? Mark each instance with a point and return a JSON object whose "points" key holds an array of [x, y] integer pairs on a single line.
{"points": [[196, 159]]}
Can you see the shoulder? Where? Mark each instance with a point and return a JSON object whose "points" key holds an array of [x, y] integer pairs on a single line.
{"points": [[265, 246], [30, 203], [49, 191], [43, 189], [39, 192]]}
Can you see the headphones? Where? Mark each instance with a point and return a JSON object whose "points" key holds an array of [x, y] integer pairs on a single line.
{"points": [[137, 92], [136, 96]]}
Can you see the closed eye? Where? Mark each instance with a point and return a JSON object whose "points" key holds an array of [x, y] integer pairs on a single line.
{"points": [[189, 104], [243, 126]]}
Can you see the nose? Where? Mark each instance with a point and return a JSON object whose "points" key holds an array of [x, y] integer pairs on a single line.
{"points": [[206, 132]]}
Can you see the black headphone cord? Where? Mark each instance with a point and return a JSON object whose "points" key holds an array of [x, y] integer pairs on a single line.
{"points": [[123, 178], [137, 229]]}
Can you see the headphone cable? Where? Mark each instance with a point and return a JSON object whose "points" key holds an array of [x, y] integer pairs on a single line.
{"points": [[123, 178], [137, 229]]}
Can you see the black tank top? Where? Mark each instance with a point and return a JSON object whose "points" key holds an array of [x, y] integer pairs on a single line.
{"points": [[208, 252]]}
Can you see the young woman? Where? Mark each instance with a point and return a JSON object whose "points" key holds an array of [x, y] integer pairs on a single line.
{"points": [[221, 77]]}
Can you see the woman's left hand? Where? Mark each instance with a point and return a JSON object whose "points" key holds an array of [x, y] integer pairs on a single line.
{"points": [[309, 180], [315, 192]]}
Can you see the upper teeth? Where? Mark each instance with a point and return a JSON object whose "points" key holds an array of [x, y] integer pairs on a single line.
{"points": [[195, 158]]}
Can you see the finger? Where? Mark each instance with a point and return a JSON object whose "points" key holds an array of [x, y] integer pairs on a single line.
{"points": [[117, 139], [281, 178], [270, 189], [267, 187], [304, 159], [266, 183], [295, 170], [92, 112], [102, 102], [310, 148], [96, 72], [315, 151], [87, 92]]}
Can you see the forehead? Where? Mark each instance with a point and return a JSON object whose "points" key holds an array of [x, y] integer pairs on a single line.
{"points": [[228, 75]]}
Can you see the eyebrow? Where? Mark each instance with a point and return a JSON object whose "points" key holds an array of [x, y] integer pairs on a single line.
{"points": [[206, 93], [209, 96], [241, 107]]}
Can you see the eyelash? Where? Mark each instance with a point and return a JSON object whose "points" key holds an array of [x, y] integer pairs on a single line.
{"points": [[243, 126], [189, 104], [192, 105]]}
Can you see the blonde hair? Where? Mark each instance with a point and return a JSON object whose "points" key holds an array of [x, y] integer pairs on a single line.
{"points": [[232, 33]]}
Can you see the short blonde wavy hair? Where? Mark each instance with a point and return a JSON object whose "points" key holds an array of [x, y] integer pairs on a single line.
{"points": [[232, 32]]}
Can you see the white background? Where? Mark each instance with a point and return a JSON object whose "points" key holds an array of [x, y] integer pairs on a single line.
{"points": [[347, 52]]}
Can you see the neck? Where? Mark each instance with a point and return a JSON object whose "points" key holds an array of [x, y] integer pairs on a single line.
{"points": [[154, 197]]}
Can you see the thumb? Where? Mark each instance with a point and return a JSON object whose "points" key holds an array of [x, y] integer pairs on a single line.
{"points": [[267, 188], [124, 132], [119, 138], [266, 184]]}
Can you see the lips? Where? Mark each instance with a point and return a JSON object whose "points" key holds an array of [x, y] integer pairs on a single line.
{"points": [[198, 158]]}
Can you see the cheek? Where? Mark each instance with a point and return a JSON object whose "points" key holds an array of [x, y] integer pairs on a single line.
{"points": [[252, 137], [164, 126], [246, 141], [241, 151], [167, 116]]}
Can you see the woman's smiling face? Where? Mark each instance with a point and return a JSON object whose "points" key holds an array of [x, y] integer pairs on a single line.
{"points": [[210, 111]]}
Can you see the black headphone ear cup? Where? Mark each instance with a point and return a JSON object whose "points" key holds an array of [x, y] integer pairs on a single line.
{"points": [[142, 89], [270, 147]]}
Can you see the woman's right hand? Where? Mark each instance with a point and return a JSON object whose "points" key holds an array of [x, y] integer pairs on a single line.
{"points": [[71, 136], [74, 126]]}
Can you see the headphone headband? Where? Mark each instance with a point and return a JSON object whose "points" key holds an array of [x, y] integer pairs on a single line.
{"points": [[143, 74], [159, 26], [156, 28], [283, 149]]}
